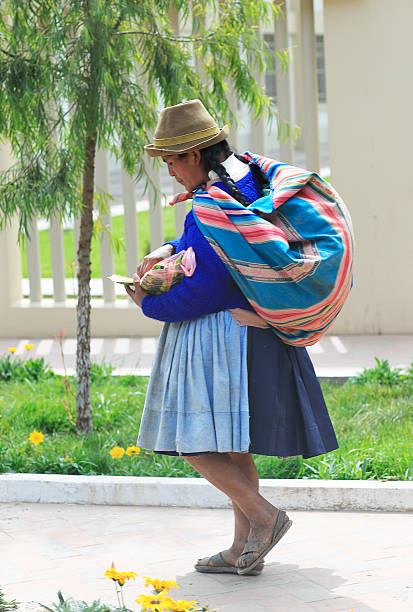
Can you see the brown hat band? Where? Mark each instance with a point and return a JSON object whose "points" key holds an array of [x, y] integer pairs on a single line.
{"points": [[165, 142]]}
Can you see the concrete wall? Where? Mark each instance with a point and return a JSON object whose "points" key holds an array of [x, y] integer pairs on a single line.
{"points": [[368, 49]]}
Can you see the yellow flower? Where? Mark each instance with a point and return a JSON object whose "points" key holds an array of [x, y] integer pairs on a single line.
{"points": [[117, 452], [160, 585], [36, 437], [28, 347], [12, 349], [155, 603], [119, 577], [133, 450], [182, 606], [68, 459]]}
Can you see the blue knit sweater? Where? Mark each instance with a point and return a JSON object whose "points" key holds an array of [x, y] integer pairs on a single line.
{"points": [[211, 288]]}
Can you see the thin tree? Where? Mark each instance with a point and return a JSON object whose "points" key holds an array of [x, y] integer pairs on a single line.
{"points": [[77, 75]]}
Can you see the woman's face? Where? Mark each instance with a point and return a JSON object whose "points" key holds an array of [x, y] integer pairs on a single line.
{"points": [[187, 169]]}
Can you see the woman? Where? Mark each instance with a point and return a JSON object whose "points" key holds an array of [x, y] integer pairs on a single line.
{"points": [[223, 385]]}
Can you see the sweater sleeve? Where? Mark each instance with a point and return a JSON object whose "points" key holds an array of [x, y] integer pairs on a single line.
{"points": [[203, 293], [174, 243]]}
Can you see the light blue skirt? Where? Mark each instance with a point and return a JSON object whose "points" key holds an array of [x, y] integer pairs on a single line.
{"points": [[197, 398]]}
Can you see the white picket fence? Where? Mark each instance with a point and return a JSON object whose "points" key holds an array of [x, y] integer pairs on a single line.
{"points": [[50, 299]]}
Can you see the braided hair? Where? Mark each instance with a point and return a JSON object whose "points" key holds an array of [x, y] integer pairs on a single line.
{"points": [[210, 158]]}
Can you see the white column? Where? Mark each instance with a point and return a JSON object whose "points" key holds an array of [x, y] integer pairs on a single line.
{"points": [[368, 46], [58, 259], [33, 262], [283, 84], [130, 222], [106, 255], [309, 79]]}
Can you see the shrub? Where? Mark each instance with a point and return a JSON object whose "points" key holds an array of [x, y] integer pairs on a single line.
{"points": [[382, 374], [16, 369]]}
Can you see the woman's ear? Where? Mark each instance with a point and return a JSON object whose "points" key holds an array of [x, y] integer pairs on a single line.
{"points": [[197, 156]]}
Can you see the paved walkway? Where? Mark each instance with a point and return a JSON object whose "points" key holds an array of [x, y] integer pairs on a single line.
{"points": [[328, 561], [334, 356]]}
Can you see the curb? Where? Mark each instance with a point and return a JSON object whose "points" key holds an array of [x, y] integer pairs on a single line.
{"points": [[289, 494], [334, 375]]}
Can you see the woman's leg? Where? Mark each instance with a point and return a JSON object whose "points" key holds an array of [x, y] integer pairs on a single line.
{"points": [[246, 464], [236, 478]]}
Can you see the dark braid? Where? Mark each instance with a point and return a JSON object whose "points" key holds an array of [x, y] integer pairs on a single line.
{"points": [[210, 156]]}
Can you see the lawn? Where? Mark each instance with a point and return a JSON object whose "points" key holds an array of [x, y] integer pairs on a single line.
{"points": [[372, 418], [118, 232]]}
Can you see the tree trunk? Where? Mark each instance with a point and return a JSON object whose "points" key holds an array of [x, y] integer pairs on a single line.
{"points": [[83, 407]]}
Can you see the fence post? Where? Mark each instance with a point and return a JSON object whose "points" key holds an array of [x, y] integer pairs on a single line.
{"points": [[33, 262], [106, 255], [155, 204], [130, 222], [58, 259], [10, 256]]}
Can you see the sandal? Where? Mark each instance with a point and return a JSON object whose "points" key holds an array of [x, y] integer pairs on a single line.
{"points": [[220, 566], [281, 526]]}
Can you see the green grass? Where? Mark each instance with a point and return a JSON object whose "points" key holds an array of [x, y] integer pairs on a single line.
{"points": [[118, 232], [372, 419]]}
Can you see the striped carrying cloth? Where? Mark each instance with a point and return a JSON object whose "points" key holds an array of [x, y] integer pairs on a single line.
{"points": [[296, 272]]}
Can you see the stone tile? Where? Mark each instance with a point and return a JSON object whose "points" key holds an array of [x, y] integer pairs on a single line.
{"points": [[306, 590], [392, 585], [386, 603], [342, 604], [260, 599]]}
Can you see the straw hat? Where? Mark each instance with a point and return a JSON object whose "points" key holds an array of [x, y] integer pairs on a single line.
{"points": [[185, 127]]}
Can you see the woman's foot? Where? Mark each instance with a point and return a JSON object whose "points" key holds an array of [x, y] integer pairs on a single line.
{"points": [[262, 538], [228, 556], [217, 564]]}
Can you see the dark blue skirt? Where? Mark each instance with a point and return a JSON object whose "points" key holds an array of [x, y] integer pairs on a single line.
{"points": [[288, 414]]}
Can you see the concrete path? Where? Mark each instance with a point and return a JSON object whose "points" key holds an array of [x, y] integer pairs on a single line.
{"points": [[328, 561], [333, 356]]}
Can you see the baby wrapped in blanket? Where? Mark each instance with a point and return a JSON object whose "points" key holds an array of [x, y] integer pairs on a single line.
{"points": [[165, 274], [169, 272]]}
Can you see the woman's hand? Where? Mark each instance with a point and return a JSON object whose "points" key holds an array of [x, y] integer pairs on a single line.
{"points": [[137, 293], [153, 258], [247, 317]]}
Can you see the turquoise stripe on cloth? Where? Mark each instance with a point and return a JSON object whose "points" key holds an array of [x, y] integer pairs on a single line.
{"points": [[197, 398]]}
